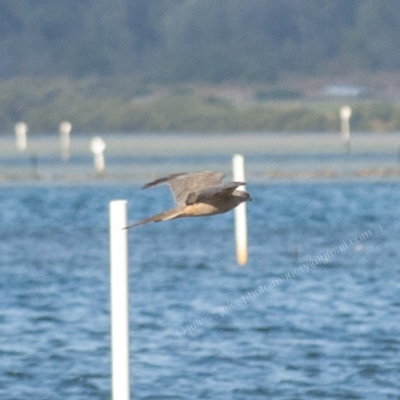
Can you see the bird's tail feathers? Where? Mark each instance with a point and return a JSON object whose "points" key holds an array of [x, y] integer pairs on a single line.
{"points": [[173, 213]]}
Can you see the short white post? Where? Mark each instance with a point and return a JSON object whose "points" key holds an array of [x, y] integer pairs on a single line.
{"points": [[119, 290], [97, 147], [345, 114], [21, 129], [65, 131], [240, 213]]}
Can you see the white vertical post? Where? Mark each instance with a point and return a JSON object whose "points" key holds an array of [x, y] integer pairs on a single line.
{"points": [[65, 130], [345, 114], [240, 213], [21, 129], [119, 300], [99, 163], [97, 146]]}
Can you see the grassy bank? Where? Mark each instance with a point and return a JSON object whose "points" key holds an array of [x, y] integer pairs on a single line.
{"points": [[116, 105]]}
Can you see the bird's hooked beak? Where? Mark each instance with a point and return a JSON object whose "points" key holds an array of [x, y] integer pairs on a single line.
{"points": [[248, 197]]}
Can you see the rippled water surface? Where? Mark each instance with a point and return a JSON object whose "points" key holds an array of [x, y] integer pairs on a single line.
{"points": [[314, 314]]}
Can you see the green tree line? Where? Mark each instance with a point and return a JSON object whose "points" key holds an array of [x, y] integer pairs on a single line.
{"points": [[197, 40]]}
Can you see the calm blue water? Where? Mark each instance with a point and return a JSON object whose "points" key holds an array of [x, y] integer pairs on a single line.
{"points": [[201, 327]]}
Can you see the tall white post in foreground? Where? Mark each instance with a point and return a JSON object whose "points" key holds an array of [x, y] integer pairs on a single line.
{"points": [[345, 114], [240, 213], [21, 129], [119, 300], [65, 130]]}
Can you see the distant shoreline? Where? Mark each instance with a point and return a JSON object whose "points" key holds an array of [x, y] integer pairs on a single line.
{"points": [[268, 177], [141, 157]]}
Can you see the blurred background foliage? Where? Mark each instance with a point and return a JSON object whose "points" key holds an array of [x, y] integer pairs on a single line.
{"points": [[206, 40], [88, 60], [109, 105]]}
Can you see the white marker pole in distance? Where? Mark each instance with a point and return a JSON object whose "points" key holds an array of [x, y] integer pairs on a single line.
{"points": [[240, 213], [65, 130], [345, 114], [119, 289], [21, 129], [97, 147]]}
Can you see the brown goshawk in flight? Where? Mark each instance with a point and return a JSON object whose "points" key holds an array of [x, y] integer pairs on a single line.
{"points": [[197, 195]]}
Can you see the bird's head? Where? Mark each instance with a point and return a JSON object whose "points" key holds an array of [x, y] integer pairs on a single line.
{"points": [[243, 195]]}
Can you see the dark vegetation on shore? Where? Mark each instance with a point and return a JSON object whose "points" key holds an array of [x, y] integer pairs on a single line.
{"points": [[121, 105]]}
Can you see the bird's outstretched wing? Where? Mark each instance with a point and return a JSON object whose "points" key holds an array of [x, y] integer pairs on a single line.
{"points": [[183, 184], [222, 191]]}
